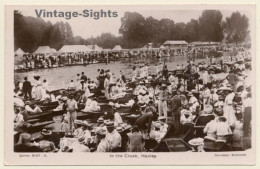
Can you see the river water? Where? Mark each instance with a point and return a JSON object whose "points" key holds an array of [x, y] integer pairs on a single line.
{"points": [[57, 77]]}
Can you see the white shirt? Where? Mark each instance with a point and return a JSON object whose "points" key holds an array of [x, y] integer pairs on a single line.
{"points": [[103, 146], [114, 139]]}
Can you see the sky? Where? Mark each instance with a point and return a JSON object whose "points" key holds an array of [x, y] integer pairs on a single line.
{"points": [[89, 27]]}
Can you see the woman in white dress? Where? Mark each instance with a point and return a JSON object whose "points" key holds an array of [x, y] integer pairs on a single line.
{"points": [[228, 109], [38, 88]]}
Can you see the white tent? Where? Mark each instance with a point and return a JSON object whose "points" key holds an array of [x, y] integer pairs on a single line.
{"points": [[74, 49], [94, 48], [43, 50], [19, 51], [117, 48]]}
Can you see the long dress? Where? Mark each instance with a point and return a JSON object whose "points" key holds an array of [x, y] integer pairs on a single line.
{"points": [[228, 110], [38, 90], [106, 87]]}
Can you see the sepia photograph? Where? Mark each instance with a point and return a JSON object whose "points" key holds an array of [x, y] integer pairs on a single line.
{"points": [[131, 82]]}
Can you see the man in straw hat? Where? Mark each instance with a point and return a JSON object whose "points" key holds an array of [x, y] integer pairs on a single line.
{"points": [[113, 137], [103, 145], [72, 107], [86, 132]]}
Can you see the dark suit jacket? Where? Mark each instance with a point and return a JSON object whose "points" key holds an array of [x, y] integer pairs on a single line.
{"points": [[27, 86]]}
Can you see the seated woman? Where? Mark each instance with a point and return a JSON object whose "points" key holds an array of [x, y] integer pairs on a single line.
{"points": [[91, 105], [30, 110], [223, 130]]}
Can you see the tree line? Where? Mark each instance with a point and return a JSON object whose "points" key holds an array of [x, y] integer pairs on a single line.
{"points": [[135, 31]]}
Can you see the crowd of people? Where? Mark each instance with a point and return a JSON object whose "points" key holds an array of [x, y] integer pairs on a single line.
{"points": [[217, 106]]}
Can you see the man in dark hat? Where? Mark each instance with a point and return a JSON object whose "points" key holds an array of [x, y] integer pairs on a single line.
{"points": [[27, 89]]}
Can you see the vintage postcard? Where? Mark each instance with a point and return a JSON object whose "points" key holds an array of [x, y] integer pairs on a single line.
{"points": [[130, 85]]}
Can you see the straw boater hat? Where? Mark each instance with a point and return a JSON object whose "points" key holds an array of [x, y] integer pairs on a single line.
{"points": [[119, 129], [27, 103], [208, 109], [190, 94], [100, 120], [110, 125], [65, 98], [106, 121], [163, 85], [46, 132], [142, 105], [162, 118], [141, 83]]}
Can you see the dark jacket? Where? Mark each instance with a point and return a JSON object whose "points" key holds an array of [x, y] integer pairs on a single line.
{"points": [[27, 86]]}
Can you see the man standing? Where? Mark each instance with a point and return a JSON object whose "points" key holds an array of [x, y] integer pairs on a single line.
{"points": [[176, 112], [162, 105], [72, 107], [83, 77], [27, 89]]}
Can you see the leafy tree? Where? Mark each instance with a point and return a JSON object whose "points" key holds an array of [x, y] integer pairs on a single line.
{"points": [[133, 27], [210, 24], [236, 27]]}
